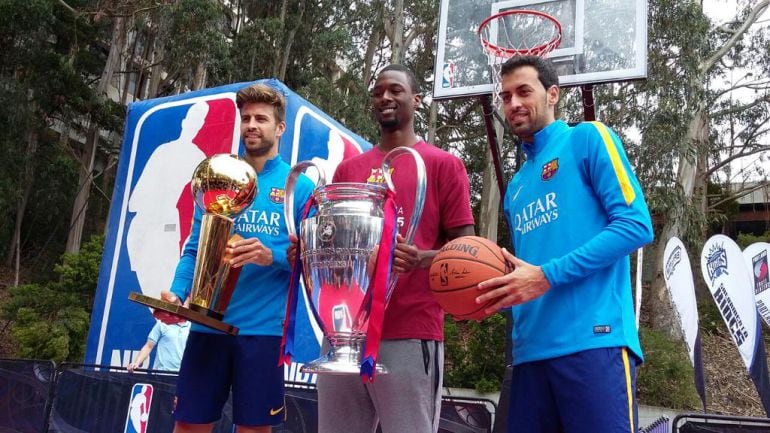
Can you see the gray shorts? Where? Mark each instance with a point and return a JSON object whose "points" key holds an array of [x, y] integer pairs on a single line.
{"points": [[407, 399]]}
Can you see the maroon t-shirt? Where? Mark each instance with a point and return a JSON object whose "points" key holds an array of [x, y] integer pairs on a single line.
{"points": [[412, 311]]}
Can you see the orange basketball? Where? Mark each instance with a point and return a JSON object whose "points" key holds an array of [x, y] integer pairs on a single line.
{"points": [[458, 268]]}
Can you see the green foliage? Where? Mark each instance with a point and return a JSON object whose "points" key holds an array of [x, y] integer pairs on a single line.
{"points": [[475, 353], [49, 64], [58, 337], [709, 317], [50, 320], [666, 377], [746, 239], [79, 272], [722, 212], [196, 35]]}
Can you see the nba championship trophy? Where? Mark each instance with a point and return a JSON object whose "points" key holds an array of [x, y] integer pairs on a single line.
{"points": [[222, 186], [346, 250]]}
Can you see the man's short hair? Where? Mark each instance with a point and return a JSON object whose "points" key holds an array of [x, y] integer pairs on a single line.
{"points": [[409, 75], [262, 93], [546, 72]]}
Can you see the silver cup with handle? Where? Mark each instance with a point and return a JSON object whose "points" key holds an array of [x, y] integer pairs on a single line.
{"points": [[339, 249]]}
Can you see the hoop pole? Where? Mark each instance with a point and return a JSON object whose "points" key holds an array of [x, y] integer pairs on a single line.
{"points": [[587, 91], [486, 108]]}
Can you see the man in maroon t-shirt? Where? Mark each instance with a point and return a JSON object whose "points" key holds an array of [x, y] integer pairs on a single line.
{"points": [[408, 399]]}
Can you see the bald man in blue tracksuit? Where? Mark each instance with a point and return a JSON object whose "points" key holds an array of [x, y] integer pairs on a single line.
{"points": [[576, 211]]}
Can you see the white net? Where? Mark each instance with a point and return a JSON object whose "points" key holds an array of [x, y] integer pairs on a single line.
{"points": [[516, 33]]}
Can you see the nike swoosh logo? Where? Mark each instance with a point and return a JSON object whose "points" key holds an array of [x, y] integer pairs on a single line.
{"points": [[517, 193], [276, 411]]}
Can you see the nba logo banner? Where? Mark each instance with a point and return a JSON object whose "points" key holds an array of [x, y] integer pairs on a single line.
{"points": [[448, 75], [152, 208], [139, 409], [756, 256]]}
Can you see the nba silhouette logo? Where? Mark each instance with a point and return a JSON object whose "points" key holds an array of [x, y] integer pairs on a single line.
{"points": [[448, 75], [139, 409], [342, 319], [320, 140], [171, 140], [444, 274]]}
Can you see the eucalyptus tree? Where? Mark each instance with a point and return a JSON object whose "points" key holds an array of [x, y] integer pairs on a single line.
{"points": [[50, 58], [699, 144], [689, 121]]}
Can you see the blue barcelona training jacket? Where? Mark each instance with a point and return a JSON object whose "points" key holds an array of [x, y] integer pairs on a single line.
{"points": [[259, 300], [576, 209]]}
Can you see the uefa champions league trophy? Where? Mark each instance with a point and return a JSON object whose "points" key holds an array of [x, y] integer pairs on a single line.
{"points": [[340, 247], [223, 185]]}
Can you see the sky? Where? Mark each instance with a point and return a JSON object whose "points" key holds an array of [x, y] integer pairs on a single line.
{"points": [[722, 11]]}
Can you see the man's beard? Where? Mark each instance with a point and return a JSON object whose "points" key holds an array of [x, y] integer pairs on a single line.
{"points": [[390, 124], [262, 150]]}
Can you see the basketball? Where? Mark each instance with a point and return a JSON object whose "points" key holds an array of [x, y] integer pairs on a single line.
{"points": [[458, 268]]}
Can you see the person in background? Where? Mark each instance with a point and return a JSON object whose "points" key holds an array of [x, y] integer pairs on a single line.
{"points": [[170, 339]]}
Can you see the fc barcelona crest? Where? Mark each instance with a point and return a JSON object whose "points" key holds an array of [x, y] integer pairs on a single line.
{"points": [[376, 176], [276, 195], [549, 169]]}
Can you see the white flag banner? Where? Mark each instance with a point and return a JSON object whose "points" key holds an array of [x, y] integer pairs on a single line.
{"points": [[730, 283], [679, 281], [681, 288], [756, 257]]}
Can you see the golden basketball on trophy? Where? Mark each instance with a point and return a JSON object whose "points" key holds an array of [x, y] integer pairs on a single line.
{"points": [[222, 186]]}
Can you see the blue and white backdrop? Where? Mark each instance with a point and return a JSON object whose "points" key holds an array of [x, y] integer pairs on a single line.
{"points": [[151, 211]]}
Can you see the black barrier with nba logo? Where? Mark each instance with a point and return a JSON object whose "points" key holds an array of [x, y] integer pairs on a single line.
{"points": [[112, 400], [25, 387], [708, 423], [466, 415], [75, 398], [90, 399], [93, 399], [100, 399], [96, 399]]}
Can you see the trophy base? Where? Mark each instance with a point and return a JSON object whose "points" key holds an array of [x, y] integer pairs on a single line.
{"points": [[191, 315], [340, 360], [206, 312]]}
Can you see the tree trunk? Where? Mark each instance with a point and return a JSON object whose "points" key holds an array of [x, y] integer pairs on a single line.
{"points": [[490, 194], [128, 64], [199, 82], [79, 207], [156, 70], [397, 40], [371, 47], [113, 58], [140, 90], [432, 120], [280, 53], [661, 314], [26, 183], [289, 42]]}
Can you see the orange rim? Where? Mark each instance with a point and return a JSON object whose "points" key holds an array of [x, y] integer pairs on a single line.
{"points": [[538, 50]]}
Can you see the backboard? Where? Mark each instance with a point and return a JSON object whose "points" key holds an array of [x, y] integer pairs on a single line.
{"points": [[602, 41]]}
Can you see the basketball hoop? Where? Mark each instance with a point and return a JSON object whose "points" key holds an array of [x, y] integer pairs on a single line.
{"points": [[517, 32]]}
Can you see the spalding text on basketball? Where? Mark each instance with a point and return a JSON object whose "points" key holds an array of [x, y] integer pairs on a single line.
{"points": [[469, 249]]}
